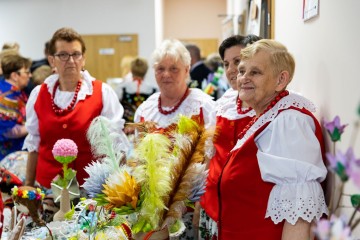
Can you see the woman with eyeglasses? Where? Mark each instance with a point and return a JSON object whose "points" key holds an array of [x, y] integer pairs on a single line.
{"points": [[12, 102], [63, 107]]}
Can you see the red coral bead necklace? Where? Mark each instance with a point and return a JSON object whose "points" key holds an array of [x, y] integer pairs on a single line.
{"points": [[272, 104], [239, 107], [164, 112], [59, 111]]}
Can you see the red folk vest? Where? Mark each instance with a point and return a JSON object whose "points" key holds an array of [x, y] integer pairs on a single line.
{"points": [[228, 131], [72, 125], [243, 195]]}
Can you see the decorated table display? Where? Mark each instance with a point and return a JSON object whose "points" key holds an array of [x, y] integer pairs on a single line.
{"points": [[144, 199]]}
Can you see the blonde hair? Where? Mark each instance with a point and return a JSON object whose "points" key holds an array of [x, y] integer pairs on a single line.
{"points": [[11, 45], [41, 73], [280, 58], [125, 64]]}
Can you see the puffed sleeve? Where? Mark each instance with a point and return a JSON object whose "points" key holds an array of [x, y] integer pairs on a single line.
{"points": [[32, 140], [289, 155]]}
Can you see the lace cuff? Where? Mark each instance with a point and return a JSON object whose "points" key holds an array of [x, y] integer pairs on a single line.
{"points": [[31, 143], [294, 201]]}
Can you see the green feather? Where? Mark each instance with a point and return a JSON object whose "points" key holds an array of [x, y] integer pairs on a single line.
{"points": [[154, 176]]}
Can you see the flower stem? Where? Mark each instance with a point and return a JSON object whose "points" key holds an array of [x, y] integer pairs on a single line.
{"points": [[340, 195], [353, 216]]}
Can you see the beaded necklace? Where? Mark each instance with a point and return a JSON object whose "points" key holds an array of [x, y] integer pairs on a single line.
{"points": [[239, 107], [272, 104], [59, 111], [164, 112]]}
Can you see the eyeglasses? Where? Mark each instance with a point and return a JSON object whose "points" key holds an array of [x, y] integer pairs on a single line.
{"points": [[66, 56], [26, 72]]}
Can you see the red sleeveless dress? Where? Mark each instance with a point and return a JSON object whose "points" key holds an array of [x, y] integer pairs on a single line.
{"points": [[72, 125]]}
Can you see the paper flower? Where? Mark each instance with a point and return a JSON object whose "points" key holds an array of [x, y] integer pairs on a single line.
{"points": [[334, 229], [334, 128], [121, 189], [343, 164], [65, 151], [98, 173]]}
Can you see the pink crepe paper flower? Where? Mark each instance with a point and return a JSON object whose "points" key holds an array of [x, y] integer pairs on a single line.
{"points": [[334, 128], [65, 151]]}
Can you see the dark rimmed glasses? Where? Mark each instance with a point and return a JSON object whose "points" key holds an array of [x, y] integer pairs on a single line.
{"points": [[66, 56]]}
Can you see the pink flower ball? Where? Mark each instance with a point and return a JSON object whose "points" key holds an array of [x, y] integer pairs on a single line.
{"points": [[65, 150]]}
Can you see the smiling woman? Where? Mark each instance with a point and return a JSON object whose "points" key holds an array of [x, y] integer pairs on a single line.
{"points": [[63, 107]]}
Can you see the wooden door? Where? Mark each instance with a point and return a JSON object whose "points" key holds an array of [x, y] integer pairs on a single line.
{"points": [[105, 52], [206, 45]]}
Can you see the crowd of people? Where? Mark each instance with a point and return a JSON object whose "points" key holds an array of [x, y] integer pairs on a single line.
{"points": [[261, 178]]}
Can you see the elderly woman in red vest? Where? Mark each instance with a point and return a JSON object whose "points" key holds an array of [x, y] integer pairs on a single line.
{"points": [[270, 183], [63, 107]]}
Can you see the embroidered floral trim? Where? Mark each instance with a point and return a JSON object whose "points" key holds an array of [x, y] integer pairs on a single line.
{"points": [[292, 100], [290, 210]]}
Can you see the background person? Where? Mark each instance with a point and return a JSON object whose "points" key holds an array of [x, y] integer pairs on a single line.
{"points": [[63, 107], [271, 181], [12, 102], [199, 72]]}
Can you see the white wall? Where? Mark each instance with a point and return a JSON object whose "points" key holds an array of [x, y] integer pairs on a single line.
{"points": [[327, 52], [32, 23]]}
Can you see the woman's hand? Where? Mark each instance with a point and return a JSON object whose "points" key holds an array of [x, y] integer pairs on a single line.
{"points": [[18, 131]]}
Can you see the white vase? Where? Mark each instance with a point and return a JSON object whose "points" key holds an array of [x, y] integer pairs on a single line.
{"points": [[64, 205]]}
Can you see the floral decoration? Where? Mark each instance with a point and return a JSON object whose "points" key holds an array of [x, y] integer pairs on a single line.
{"points": [[65, 151], [29, 194]]}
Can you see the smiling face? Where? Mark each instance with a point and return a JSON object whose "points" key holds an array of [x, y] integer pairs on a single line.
{"points": [[171, 76], [257, 83], [70, 68], [231, 62]]}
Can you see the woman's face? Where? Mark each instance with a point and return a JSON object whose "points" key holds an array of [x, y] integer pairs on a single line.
{"points": [[23, 77], [231, 62], [73, 65], [171, 76], [256, 82]]}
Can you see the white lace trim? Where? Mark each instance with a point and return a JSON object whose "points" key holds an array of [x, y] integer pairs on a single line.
{"points": [[294, 201], [191, 106], [226, 106], [86, 87], [292, 100]]}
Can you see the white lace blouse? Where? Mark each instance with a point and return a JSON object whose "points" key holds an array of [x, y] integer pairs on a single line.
{"points": [[226, 106], [193, 103], [289, 155], [112, 109]]}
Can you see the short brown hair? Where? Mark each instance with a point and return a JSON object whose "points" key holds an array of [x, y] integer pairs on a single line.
{"points": [[68, 35], [13, 63], [139, 67]]}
